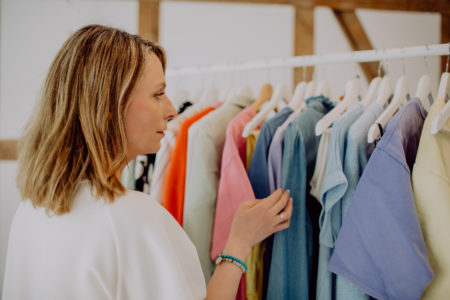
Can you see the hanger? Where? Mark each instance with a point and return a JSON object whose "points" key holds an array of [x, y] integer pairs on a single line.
{"points": [[264, 95], [438, 121], [350, 97], [198, 95], [281, 92], [181, 95], [322, 89], [400, 96], [423, 91], [246, 91], [298, 97], [209, 97], [310, 89], [370, 95]]}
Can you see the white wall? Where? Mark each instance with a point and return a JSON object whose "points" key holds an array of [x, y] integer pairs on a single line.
{"points": [[31, 32]]}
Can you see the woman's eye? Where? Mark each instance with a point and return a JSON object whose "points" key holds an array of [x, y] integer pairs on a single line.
{"points": [[159, 95]]}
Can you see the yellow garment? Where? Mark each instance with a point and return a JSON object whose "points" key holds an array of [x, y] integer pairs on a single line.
{"points": [[431, 187], [255, 261]]}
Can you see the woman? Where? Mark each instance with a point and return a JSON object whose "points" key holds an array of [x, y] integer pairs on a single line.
{"points": [[79, 234]]}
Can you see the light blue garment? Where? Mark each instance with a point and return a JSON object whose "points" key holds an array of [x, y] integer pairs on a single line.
{"points": [[380, 247], [333, 188], [204, 156], [291, 270], [356, 156]]}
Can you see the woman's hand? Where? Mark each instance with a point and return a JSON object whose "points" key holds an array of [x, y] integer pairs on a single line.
{"points": [[256, 220]]}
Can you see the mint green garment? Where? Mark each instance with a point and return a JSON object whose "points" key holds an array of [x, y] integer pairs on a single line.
{"points": [[206, 139]]}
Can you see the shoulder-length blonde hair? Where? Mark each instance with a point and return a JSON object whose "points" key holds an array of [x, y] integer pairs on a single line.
{"points": [[77, 130]]}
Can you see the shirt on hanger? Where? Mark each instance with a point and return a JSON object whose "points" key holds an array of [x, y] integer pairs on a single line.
{"points": [[258, 175], [255, 261], [275, 157], [131, 248], [321, 164], [234, 185], [333, 188], [164, 154], [380, 247], [357, 154], [431, 187], [174, 186], [205, 144], [291, 270]]}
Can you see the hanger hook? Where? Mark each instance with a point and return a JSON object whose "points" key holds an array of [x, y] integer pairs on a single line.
{"points": [[426, 60], [379, 68], [448, 56], [304, 71], [403, 62]]}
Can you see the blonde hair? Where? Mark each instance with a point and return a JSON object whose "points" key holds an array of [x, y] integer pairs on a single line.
{"points": [[77, 131]]}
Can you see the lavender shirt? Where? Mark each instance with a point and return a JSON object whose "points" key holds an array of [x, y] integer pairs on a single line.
{"points": [[380, 247]]}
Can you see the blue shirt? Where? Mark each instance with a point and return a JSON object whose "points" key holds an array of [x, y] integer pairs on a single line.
{"points": [[259, 175], [380, 247], [333, 188], [291, 269]]}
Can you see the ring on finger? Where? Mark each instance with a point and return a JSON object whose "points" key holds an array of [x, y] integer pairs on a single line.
{"points": [[282, 216]]}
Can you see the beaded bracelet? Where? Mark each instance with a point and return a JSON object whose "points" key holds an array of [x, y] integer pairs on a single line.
{"points": [[233, 260]]}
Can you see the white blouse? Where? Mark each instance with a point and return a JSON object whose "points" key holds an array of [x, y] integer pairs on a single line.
{"points": [[130, 249]]}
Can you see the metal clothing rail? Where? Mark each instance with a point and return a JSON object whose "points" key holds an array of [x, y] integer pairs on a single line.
{"points": [[313, 60]]}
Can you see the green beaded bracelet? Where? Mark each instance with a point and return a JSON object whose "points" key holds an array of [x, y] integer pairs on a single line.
{"points": [[231, 259]]}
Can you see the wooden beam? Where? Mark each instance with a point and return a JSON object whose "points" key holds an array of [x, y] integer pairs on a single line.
{"points": [[304, 39], [439, 6], [445, 37], [149, 19], [357, 38], [8, 149], [442, 6]]}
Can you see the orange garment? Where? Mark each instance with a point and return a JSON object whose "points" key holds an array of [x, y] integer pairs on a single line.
{"points": [[173, 199]]}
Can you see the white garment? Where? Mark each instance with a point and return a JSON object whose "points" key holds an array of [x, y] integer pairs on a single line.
{"points": [[321, 164], [129, 249]]}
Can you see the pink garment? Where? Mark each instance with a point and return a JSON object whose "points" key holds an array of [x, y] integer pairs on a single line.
{"points": [[234, 185]]}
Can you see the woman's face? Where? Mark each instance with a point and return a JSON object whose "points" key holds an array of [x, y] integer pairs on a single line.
{"points": [[149, 111]]}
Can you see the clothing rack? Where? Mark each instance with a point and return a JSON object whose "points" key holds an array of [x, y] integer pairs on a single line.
{"points": [[319, 59]]}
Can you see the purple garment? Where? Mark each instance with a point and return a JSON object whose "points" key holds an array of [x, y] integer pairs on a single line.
{"points": [[275, 157], [380, 247]]}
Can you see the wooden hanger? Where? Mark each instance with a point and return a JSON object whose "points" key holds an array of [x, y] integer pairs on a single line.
{"points": [[400, 96], [264, 95], [281, 93], [351, 96]]}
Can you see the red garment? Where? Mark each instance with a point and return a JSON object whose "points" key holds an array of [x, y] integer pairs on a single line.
{"points": [[173, 199]]}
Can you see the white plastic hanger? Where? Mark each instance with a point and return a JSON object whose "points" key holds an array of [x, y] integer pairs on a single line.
{"points": [[310, 89], [351, 96], [246, 91], [443, 93], [370, 95], [423, 91], [198, 95], [209, 97], [385, 91], [298, 97], [181, 95], [398, 99], [281, 93], [322, 89]]}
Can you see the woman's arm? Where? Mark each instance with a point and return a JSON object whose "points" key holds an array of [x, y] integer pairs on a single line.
{"points": [[254, 221]]}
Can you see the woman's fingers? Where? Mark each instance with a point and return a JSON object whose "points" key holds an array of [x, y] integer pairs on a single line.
{"points": [[285, 215], [281, 203]]}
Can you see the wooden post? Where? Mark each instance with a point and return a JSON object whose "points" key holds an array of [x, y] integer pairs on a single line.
{"points": [[445, 37], [149, 19], [357, 38], [304, 39]]}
